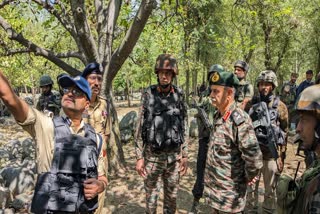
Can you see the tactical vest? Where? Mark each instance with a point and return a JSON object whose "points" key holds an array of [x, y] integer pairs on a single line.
{"points": [[241, 92], [50, 103], [75, 160], [163, 125], [266, 122]]}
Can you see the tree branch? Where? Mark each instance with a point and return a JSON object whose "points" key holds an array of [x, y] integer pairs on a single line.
{"points": [[14, 52], [130, 40], [112, 17], [13, 35], [83, 30]]}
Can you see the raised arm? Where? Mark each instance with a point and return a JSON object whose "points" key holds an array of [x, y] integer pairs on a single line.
{"points": [[16, 106]]}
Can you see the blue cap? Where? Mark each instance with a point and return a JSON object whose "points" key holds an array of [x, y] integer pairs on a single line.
{"points": [[93, 67], [66, 81]]}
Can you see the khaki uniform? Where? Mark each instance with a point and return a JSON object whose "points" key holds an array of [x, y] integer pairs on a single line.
{"points": [[97, 116], [41, 128]]}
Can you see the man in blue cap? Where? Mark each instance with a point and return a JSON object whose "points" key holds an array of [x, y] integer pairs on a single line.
{"points": [[234, 157], [67, 154]]}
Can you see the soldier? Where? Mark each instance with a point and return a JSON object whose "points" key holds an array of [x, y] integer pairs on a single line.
{"points": [[162, 153], [306, 83], [244, 92], [67, 150], [307, 191], [97, 115], [288, 90], [270, 118], [48, 101], [234, 157], [204, 128], [288, 95]]}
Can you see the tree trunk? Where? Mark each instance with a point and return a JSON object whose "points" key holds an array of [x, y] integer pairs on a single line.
{"points": [[127, 92], [116, 160]]}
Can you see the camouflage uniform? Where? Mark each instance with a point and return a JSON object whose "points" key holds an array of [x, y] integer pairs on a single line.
{"points": [[97, 116], [288, 93], [50, 102], [303, 195], [288, 96], [244, 91], [270, 169], [234, 157], [161, 164]]}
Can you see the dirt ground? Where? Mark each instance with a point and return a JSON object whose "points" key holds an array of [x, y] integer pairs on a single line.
{"points": [[126, 193]]}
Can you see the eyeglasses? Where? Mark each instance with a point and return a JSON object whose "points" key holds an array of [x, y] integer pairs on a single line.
{"points": [[95, 77], [76, 92]]}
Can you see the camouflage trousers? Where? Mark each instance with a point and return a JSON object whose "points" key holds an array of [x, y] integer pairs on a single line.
{"points": [[157, 170], [270, 175]]}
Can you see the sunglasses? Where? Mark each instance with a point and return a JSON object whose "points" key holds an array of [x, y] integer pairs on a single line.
{"points": [[74, 91]]}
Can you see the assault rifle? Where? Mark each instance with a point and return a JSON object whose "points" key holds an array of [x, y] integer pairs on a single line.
{"points": [[259, 114], [203, 115]]}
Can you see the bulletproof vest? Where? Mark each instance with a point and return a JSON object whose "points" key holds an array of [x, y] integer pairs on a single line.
{"points": [[163, 125], [241, 92], [265, 120], [75, 160]]}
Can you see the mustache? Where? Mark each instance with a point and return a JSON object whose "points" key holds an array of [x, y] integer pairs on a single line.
{"points": [[69, 99]]}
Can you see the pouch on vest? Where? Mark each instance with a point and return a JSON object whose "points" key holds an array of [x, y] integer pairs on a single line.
{"points": [[162, 128], [261, 121], [75, 160]]}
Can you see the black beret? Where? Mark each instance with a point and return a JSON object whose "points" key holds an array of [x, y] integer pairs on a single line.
{"points": [[93, 67]]}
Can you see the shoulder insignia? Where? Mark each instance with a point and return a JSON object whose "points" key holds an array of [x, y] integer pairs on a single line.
{"points": [[226, 115], [237, 117]]}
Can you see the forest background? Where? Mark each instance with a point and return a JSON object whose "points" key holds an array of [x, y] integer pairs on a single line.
{"points": [[57, 36]]}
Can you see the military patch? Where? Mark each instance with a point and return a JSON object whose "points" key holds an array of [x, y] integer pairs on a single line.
{"points": [[237, 118], [104, 113], [215, 77], [226, 115]]}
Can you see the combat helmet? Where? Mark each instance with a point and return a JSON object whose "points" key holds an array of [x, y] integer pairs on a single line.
{"points": [[268, 76], [241, 64], [45, 80], [216, 67], [166, 62], [309, 100]]}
